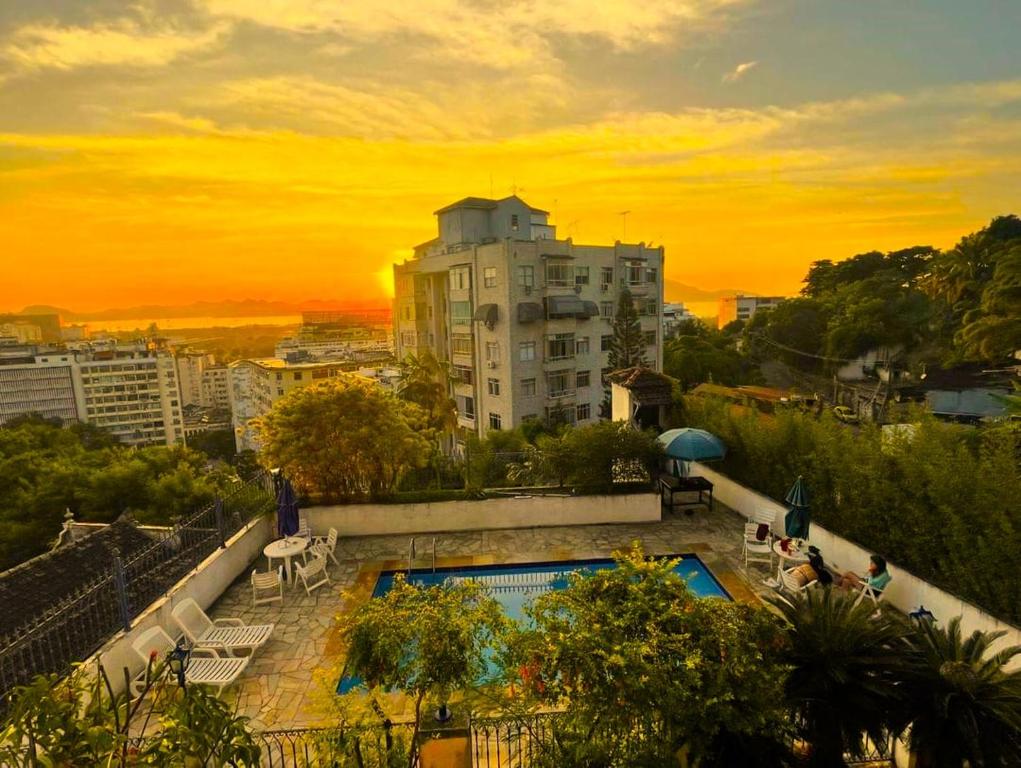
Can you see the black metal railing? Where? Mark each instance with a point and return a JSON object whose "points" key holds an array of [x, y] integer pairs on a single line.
{"points": [[75, 628], [323, 747], [496, 742]]}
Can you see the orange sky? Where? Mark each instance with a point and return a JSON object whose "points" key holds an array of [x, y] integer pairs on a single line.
{"points": [[294, 151]]}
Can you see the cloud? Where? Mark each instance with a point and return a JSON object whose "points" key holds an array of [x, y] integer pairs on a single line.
{"points": [[123, 42], [739, 71]]}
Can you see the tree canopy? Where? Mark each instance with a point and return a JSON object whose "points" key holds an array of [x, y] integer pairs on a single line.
{"points": [[627, 348], [344, 438]]}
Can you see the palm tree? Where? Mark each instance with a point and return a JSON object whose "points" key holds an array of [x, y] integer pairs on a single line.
{"points": [[845, 669], [963, 704], [425, 381]]}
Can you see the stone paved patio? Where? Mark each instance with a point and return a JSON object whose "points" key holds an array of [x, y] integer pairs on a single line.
{"points": [[291, 679]]}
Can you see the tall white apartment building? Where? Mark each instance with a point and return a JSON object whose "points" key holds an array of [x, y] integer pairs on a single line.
{"points": [[132, 391], [524, 319], [45, 383]]}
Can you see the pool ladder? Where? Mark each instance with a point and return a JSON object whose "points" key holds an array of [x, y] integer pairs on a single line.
{"points": [[412, 553]]}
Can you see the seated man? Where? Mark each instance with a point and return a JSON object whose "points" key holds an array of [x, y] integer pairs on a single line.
{"points": [[877, 577]]}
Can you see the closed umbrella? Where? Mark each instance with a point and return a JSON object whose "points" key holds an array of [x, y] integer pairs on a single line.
{"points": [[287, 509], [797, 521]]}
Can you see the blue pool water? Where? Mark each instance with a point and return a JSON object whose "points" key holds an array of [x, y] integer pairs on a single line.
{"points": [[514, 586]]}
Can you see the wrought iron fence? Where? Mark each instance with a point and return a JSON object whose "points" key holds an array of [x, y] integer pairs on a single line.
{"points": [[328, 747], [75, 628], [502, 742]]}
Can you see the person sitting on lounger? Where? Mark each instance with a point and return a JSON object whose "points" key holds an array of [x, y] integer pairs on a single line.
{"points": [[877, 577]]}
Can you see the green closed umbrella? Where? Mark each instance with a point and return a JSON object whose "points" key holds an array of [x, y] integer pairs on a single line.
{"points": [[798, 519]]}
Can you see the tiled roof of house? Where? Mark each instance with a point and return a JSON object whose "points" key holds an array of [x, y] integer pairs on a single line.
{"points": [[29, 590]]}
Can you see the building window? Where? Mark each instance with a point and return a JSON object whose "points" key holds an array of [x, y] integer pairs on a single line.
{"points": [[461, 345], [460, 279], [605, 342], [606, 309], [583, 378], [560, 346], [606, 279], [558, 274], [581, 346], [489, 277], [584, 412], [650, 275], [558, 383], [526, 351], [514, 222], [494, 386], [297, 376], [462, 374], [492, 352], [526, 276], [460, 312], [650, 338], [581, 275], [466, 405], [528, 387], [280, 377], [495, 421]]}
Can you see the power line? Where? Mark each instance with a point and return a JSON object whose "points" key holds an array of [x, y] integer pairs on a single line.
{"points": [[768, 340]]}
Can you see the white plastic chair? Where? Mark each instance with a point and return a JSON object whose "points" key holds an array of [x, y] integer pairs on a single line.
{"points": [[873, 594], [755, 550], [265, 582], [789, 583], [324, 546], [228, 635], [313, 575], [205, 666]]}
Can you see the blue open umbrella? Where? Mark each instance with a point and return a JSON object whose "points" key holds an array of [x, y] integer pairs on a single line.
{"points": [[798, 519], [689, 444], [287, 509]]}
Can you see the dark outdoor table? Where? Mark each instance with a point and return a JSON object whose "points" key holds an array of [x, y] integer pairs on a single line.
{"points": [[669, 485]]}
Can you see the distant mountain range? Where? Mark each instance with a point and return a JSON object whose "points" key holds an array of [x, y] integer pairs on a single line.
{"points": [[677, 291], [242, 308]]}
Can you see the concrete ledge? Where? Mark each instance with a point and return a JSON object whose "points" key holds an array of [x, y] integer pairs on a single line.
{"points": [[488, 514], [906, 592]]}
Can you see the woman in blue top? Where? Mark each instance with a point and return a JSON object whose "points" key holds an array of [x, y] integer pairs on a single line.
{"points": [[877, 577]]}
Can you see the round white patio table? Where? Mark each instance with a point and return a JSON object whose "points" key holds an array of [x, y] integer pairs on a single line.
{"points": [[795, 557], [284, 549]]}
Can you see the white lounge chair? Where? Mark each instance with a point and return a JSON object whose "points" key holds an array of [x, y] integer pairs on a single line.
{"points": [[314, 574], [867, 591], [227, 635], [789, 583], [268, 582], [324, 546], [205, 667], [755, 550]]}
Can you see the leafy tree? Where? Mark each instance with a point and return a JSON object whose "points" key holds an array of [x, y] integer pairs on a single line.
{"points": [[488, 459], [215, 443], [627, 349], [963, 705], [425, 642], [846, 666], [646, 674], [794, 324], [694, 360], [344, 438], [425, 381], [246, 464]]}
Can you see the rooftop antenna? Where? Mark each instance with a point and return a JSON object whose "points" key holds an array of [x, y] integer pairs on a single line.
{"points": [[490, 185], [623, 218]]}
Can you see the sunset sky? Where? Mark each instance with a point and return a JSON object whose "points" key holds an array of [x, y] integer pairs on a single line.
{"points": [[183, 150]]}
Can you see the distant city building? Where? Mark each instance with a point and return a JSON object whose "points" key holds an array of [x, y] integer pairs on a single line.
{"points": [[130, 390], [74, 332], [326, 341], [523, 319], [42, 382], [254, 385], [215, 387], [20, 333], [739, 307], [190, 366], [47, 326], [199, 419], [674, 315]]}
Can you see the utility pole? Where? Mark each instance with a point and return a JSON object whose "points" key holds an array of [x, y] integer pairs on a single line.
{"points": [[623, 217]]}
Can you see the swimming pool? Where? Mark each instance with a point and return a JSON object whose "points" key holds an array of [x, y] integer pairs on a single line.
{"points": [[514, 586]]}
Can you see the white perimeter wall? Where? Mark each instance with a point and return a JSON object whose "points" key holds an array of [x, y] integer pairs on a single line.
{"points": [[517, 512], [905, 592], [205, 584]]}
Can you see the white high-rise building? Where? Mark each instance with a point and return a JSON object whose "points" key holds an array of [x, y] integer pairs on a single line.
{"points": [[523, 319], [45, 383]]}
